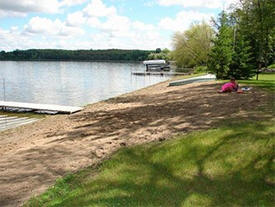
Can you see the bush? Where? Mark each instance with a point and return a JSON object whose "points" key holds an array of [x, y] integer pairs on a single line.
{"points": [[185, 70], [200, 69]]}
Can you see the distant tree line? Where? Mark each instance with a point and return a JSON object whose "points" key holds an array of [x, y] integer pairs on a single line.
{"points": [[160, 54], [75, 55], [240, 42]]}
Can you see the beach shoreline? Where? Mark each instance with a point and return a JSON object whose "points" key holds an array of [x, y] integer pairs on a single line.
{"points": [[33, 156]]}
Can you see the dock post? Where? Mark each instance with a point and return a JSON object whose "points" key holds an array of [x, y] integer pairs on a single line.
{"points": [[4, 92]]}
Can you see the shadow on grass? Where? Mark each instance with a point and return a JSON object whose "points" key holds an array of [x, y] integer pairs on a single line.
{"points": [[229, 166]]}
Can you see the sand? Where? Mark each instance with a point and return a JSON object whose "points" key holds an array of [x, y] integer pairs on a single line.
{"points": [[33, 156]]}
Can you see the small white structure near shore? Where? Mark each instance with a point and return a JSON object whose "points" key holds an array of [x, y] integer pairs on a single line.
{"points": [[203, 78], [156, 65]]}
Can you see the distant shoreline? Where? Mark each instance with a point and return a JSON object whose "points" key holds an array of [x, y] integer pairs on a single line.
{"points": [[66, 60], [75, 55]]}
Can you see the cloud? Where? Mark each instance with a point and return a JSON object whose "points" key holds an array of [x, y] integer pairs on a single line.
{"points": [[97, 9], [116, 25], [120, 32], [183, 20], [11, 14], [135, 40], [71, 2], [198, 3], [27, 6], [21, 8], [11, 40], [14, 39], [116, 31], [107, 29], [75, 19], [38, 25]]}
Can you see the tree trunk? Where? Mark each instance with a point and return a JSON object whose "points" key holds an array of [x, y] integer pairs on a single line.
{"points": [[258, 71]]}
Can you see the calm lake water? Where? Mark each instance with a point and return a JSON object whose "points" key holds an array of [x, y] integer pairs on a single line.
{"points": [[69, 83]]}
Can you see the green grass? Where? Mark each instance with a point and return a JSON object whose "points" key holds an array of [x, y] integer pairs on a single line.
{"points": [[271, 66], [231, 165], [265, 81], [265, 77]]}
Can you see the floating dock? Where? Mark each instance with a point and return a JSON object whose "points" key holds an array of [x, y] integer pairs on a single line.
{"points": [[158, 73], [40, 107], [203, 78]]}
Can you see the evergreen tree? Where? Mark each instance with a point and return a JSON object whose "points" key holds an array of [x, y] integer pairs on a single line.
{"points": [[257, 23], [220, 56], [241, 67]]}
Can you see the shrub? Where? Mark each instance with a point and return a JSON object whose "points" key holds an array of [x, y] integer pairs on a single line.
{"points": [[200, 69]]}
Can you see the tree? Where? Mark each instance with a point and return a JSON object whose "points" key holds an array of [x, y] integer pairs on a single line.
{"points": [[241, 67], [220, 56], [90, 55], [158, 50], [2, 55], [257, 22], [163, 55], [191, 48], [245, 40]]}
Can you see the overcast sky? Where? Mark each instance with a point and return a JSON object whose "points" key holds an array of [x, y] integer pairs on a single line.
{"points": [[99, 24]]}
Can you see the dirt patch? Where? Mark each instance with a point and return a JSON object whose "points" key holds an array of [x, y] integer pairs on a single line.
{"points": [[33, 156]]}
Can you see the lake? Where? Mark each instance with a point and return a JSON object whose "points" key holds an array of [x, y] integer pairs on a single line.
{"points": [[69, 83]]}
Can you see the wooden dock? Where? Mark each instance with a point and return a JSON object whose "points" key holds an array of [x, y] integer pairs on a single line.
{"points": [[40, 107], [157, 73]]}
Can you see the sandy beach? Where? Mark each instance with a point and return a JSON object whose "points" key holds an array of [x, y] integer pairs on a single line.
{"points": [[33, 156]]}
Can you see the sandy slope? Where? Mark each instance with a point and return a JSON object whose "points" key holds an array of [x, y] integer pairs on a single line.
{"points": [[33, 156]]}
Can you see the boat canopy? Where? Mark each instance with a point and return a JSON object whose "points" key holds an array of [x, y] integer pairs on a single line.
{"points": [[154, 62]]}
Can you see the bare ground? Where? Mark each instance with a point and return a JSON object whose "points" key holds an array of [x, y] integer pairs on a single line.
{"points": [[33, 156]]}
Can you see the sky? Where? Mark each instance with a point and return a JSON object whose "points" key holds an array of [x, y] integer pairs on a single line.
{"points": [[100, 24]]}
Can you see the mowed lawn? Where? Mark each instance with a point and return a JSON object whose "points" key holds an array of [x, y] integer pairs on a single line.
{"points": [[265, 81], [230, 165]]}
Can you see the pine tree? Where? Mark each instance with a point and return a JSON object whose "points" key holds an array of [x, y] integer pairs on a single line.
{"points": [[241, 66], [220, 56], [257, 22]]}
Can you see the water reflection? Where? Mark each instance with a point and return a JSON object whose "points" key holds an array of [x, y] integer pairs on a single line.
{"points": [[69, 83]]}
